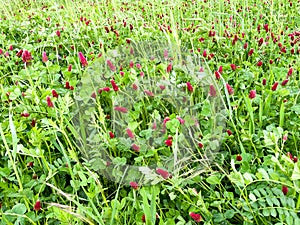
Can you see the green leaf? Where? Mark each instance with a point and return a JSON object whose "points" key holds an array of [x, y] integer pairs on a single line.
{"points": [[296, 172], [19, 209], [215, 179]]}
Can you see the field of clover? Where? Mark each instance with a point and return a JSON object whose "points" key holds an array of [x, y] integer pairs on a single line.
{"points": [[150, 112]]}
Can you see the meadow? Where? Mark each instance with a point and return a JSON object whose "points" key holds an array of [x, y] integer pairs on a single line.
{"points": [[149, 112]]}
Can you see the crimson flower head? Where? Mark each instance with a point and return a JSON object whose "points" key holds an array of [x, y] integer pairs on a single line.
{"points": [[275, 85], [70, 67], [165, 174], [149, 93], [229, 89], [111, 134], [26, 56], [37, 205], [44, 57], [229, 132], [82, 59], [233, 66], [250, 52], [283, 83], [169, 68], [121, 109], [58, 33], [212, 91], [290, 72], [264, 81], [217, 75], [239, 157], [134, 185], [111, 65], [252, 94], [285, 190], [54, 93], [259, 63], [204, 53], [135, 147], [168, 142], [129, 133], [196, 217], [220, 70], [49, 102], [114, 85], [189, 87]]}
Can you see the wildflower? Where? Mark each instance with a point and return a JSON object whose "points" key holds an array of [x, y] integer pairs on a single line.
{"points": [[149, 93], [122, 73], [189, 87], [295, 159], [11, 48], [37, 205], [271, 61], [25, 114], [121, 109], [26, 56], [217, 75], [250, 52], [44, 57], [49, 102], [1, 51], [229, 132], [233, 67], [134, 87], [239, 157], [168, 142], [131, 64], [19, 53], [246, 45], [114, 85], [220, 70], [259, 63], [70, 67], [252, 94], [93, 95], [229, 89], [283, 83], [264, 81], [82, 59], [106, 89], [196, 217], [275, 85], [67, 86], [181, 121], [290, 155], [204, 53], [129, 133], [58, 33], [169, 68], [134, 185], [143, 218], [166, 54], [33, 122], [135, 147], [138, 66], [54, 93], [165, 174], [111, 65], [212, 91], [285, 189], [290, 72], [111, 134], [200, 145]]}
